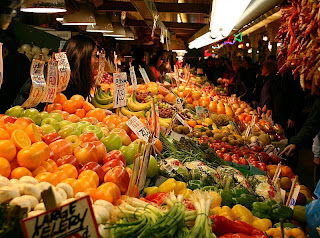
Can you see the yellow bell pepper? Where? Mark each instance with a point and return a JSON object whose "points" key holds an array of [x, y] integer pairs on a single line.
{"points": [[186, 192], [168, 186], [296, 232], [226, 212], [287, 231], [216, 199], [242, 213], [179, 186], [274, 232], [150, 190], [262, 224]]}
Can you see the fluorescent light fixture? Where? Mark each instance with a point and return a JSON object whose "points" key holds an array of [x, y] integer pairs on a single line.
{"points": [[179, 18], [224, 16], [247, 44], [103, 25], [118, 31], [249, 51], [279, 44], [59, 19], [83, 17], [124, 38], [265, 38], [43, 6], [269, 47], [201, 41], [129, 35]]}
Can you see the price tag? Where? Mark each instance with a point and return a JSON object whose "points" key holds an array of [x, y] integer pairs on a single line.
{"points": [[63, 71], [138, 128], [75, 218], [52, 82], [205, 112], [102, 59], [133, 78], [38, 84], [120, 89], [179, 102], [294, 196], [144, 75], [199, 112], [180, 119], [1, 66], [157, 132]]}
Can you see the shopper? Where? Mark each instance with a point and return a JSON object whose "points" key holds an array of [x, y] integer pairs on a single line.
{"points": [[139, 60], [213, 70], [153, 69], [236, 83], [250, 79]]}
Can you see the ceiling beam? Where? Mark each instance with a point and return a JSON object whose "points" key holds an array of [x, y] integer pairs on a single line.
{"points": [[110, 6], [169, 25]]}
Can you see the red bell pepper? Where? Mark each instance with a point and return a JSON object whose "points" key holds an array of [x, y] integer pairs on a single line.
{"points": [[223, 225], [157, 198], [240, 235]]}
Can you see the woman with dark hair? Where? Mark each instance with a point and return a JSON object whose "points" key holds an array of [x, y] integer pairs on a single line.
{"points": [[153, 69]]}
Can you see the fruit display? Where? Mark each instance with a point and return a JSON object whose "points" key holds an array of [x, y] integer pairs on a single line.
{"points": [[34, 52]]}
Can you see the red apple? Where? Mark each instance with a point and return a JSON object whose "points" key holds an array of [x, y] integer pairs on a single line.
{"points": [[51, 137], [94, 167], [74, 140], [87, 152], [115, 154], [126, 140], [111, 164], [9, 119], [68, 159], [124, 126], [60, 148], [102, 151], [23, 122], [88, 137], [119, 176]]}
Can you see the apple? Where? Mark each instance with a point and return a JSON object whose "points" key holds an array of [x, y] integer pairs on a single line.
{"points": [[23, 122], [32, 113], [101, 124], [68, 130], [64, 123], [95, 129], [85, 123], [60, 148], [74, 140], [153, 168], [44, 115], [119, 176], [81, 127], [51, 137], [124, 126], [94, 167], [111, 164], [130, 166], [15, 111], [68, 159], [56, 116], [102, 151], [123, 136], [47, 129], [88, 137], [51, 121], [9, 119], [86, 152], [129, 152], [112, 141], [114, 155]]}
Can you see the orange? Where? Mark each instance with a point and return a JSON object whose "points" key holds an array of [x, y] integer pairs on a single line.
{"points": [[19, 172], [57, 177], [44, 177], [192, 123], [81, 113], [286, 171], [5, 168], [97, 194], [53, 164], [196, 94], [160, 96], [52, 107], [38, 170], [60, 98], [4, 135], [158, 145], [170, 97], [82, 184], [97, 113], [90, 174], [69, 106], [189, 100], [30, 157], [78, 99], [115, 119], [14, 164], [73, 118], [33, 132], [69, 181], [23, 122], [47, 166], [186, 93], [45, 148], [87, 106], [20, 139], [124, 119], [68, 169], [112, 188], [8, 150], [10, 128]]}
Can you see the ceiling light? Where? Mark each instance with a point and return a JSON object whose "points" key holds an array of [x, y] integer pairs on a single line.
{"points": [[83, 17], [247, 44], [179, 18], [118, 31], [258, 51], [129, 35], [43, 6], [59, 19], [201, 41], [249, 51], [269, 47], [265, 38], [240, 46], [103, 25], [278, 44]]}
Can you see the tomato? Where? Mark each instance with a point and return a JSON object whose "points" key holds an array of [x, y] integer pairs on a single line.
{"points": [[236, 161], [243, 161], [111, 164], [256, 148], [254, 163], [227, 157], [262, 166], [51, 137], [115, 154], [157, 198], [235, 156], [264, 157], [119, 176]]}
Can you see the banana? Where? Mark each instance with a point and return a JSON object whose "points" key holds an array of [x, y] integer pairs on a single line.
{"points": [[102, 98], [133, 105], [164, 121], [125, 111], [103, 106]]}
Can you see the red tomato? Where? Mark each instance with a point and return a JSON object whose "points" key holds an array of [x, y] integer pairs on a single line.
{"points": [[111, 164], [115, 154], [243, 161], [119, 176], [227, 157], [236, 161]]}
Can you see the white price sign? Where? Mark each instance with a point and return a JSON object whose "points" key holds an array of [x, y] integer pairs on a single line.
{"points": [[294, 196], [52, 82], [63, 71], [138, 128], [144, 75], [180, 119], [120, 89], [102, 59], [38, 84], [133, 78], [1, 66], [199, 112]]}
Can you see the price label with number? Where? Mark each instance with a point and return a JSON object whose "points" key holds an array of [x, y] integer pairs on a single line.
{"points": [[133, 78], [199, 112], [179, 118], [138, 128], [144, 75], [102, 59], [52, 82], [120, 89], [294, 196], [63, 71], [1, 65], [38, 84]]}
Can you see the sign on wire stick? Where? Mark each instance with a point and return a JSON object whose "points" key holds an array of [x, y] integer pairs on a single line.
{"points": [[38, 84], [138, 128], [144, 75], [52, 82], [63, 71], [120, 90], [72, 219], [102, 60], [133, 77], [1, 65]]}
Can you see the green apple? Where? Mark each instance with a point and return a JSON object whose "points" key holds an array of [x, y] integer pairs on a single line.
{"points": [[77, 132], [56, 116], [52, 122], [44, 115], [81, 126], [74, 140], [67, 131], [96, 130], [153, 168], [15, 111], [130, 166], [33, 114], [64, 123], [74, 124], [84, 123], [129, 152], [47, 128], [111, 141]]}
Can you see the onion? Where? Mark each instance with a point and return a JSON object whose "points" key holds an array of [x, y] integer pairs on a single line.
{"points": [[21, 51], [36, 49], [26, 47], [45, 51]]}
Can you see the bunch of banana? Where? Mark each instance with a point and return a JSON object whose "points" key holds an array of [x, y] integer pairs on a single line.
{"points": [[164, 122], [125, 111], [103, 100], [136, 106]]}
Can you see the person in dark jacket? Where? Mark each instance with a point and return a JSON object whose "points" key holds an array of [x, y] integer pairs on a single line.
{"points": [[250, 78], [237, 83], [213, 70]]}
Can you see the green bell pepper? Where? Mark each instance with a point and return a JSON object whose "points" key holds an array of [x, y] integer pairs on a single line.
{"points": [[195, 184], [226, 199], [281, 211], [245, 200], [261, 207], [238, 192]]}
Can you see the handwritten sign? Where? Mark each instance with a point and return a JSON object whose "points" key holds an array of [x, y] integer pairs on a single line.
{"points": [[38, 84], [179, 118], [179, 102], [1, 66], [102, 59], [199, 112], [138, 128], [76, 218], [294, 196], [144, 75], [133, 78], [52, 82], [63, 71], [120, 90]]}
